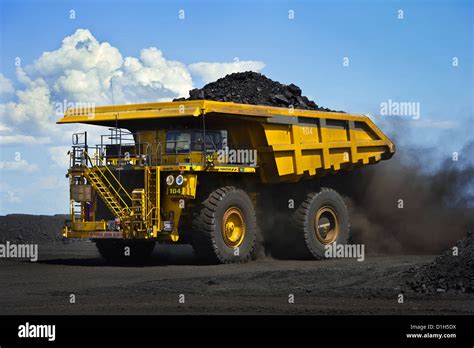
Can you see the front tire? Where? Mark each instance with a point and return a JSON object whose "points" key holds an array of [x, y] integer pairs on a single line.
{"points": [[225, 227], [321, 220]]}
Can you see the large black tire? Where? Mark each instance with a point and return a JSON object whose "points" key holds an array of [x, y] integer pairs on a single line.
{"points": [[211, 240], [114, 251], [321, 220]]}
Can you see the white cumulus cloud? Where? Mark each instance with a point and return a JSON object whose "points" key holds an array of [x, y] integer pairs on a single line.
{"points": [[23, 139], [151, 78], [33, 109], [88, 71], [20, 165], [9, 194], [5, 128], [8, 136], [51, 182], [213, 71], [58, 154], [6, 86]]}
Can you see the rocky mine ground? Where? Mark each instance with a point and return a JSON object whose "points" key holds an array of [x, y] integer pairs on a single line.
{"points": [[429, 284]]}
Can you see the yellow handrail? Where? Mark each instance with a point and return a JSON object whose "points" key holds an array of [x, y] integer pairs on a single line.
{"points": [[110, 186]]}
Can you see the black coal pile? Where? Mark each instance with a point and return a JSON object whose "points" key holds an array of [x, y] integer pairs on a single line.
{"points": [[24, 228], [448, 272], [253, 88]]}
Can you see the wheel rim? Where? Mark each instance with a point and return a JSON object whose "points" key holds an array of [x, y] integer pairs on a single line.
{"points": [[233, 227], [326, 226]]}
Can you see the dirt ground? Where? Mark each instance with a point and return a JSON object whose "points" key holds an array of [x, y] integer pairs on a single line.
{"points": [[259, 287]]}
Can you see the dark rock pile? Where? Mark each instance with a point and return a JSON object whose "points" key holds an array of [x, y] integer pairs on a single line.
{"points": [[447, 272], [253, 88], [23, 228]]}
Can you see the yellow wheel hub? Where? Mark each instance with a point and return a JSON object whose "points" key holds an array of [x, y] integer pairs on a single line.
{"points": [[233, 227], [326, 226]]}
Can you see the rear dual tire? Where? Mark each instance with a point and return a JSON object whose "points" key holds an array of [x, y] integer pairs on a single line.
{"points": [[321, 220]]}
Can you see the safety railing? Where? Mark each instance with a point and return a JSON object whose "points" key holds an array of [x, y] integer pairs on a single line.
{"points": [[111, 186], [122, 148], [111, 154]]}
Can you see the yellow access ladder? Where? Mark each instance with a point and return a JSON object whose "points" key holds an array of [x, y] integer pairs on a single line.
{"points": [[106, 184], [152, 188]]}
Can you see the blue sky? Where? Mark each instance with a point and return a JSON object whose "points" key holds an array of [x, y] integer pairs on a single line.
{"points": [[404, 60]]}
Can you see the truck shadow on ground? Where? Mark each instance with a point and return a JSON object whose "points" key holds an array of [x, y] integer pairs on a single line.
{"points": [[162, 255]]}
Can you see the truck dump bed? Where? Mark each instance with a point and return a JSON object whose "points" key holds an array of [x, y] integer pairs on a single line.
{"points": [[291, 143]]}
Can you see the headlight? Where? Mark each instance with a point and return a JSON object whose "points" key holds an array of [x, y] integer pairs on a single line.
{"points": [[169, 180], [179, 180]]}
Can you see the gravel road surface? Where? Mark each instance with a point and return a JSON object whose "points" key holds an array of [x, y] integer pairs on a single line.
{"points": [[342, 286]]}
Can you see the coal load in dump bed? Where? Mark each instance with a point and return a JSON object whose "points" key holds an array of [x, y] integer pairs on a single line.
{"points": [[447, 271], [253, 88]]}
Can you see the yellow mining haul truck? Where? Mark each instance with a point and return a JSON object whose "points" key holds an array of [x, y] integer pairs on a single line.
{"points": [[198, 171]]}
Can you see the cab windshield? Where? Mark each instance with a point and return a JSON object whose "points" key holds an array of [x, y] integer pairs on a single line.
{"points": [[178, 142]]}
